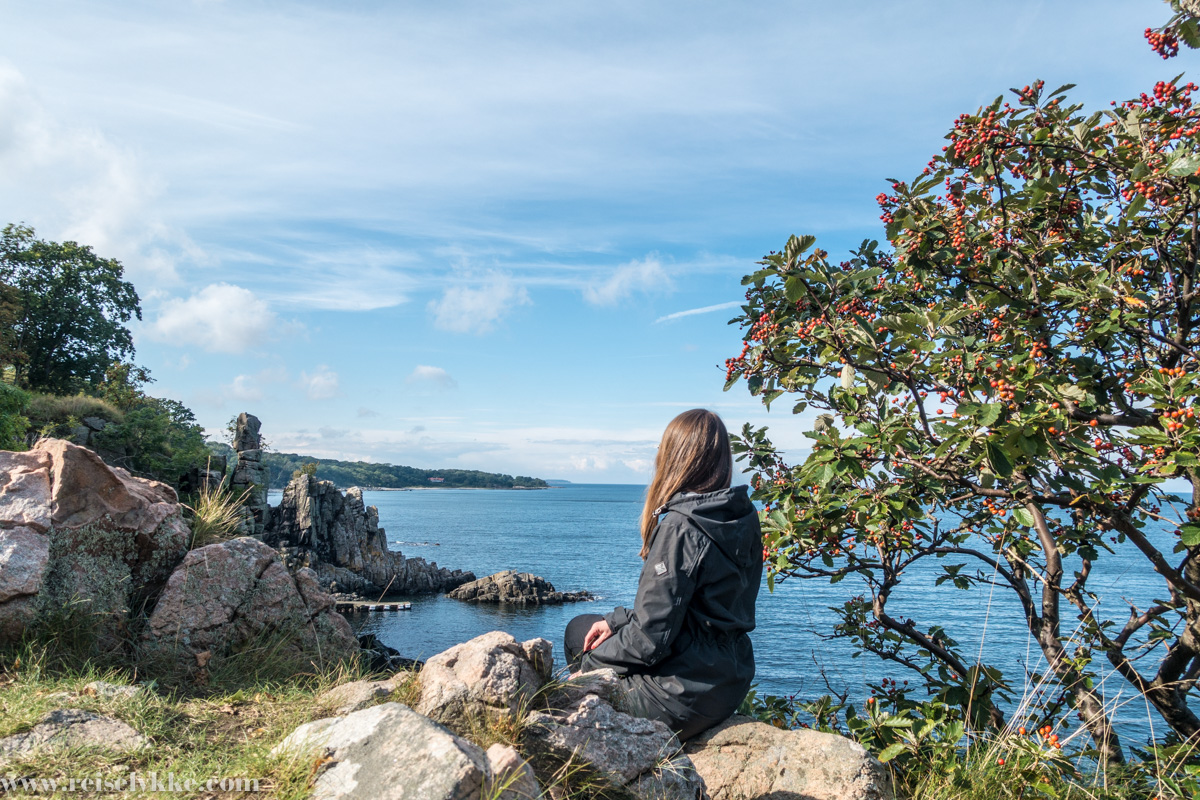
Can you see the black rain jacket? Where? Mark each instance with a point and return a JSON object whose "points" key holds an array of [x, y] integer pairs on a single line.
{"points": [[683, 651]]}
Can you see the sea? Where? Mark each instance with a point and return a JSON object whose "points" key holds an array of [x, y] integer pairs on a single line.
{"points": [[585, 536]]}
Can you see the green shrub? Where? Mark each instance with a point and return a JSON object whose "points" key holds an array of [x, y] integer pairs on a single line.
{"points": [[13, 422]]}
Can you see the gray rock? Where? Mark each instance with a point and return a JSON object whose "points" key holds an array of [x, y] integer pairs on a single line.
{"points": [[250, 475], [512, 776], [641, 756], [515, 588], [110, 691], [743, 758], [24, 555], [603, 683], [339, 538], [490, 674], [66, 729], [357, 695], [95, 423], [389, 752], [229, 594]]}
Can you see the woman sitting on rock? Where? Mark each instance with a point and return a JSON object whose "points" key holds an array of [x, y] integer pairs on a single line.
{"points": [[683, 652]]}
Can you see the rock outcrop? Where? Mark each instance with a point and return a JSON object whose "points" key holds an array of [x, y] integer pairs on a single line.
{"points": [[232, 594], [640, 756], [250, 474], [744, 758], [78, 535], [390, 752], [70, 729], [515, 588], [489, 675], [339, 538]]}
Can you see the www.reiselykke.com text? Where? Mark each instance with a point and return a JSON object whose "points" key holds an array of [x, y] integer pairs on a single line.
{"points": [[133, 782]]}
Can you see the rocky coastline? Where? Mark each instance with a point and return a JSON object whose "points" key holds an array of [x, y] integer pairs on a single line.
{"points": [[487, 718]]}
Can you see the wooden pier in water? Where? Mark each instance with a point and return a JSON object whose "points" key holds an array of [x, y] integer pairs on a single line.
{"points": [[366, 607]]}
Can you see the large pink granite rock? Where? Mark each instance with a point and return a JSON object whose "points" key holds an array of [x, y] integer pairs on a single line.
{"points": [[80, 535], [229, 595]]}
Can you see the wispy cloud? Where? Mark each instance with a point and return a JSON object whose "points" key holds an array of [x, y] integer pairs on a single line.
{"points": [[321, 385], [703, 310], [434, 375], [476, 305], [640, 275]]}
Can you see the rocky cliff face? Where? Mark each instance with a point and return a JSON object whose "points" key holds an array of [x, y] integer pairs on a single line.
{"points": [[250, 474], [339, 538]]}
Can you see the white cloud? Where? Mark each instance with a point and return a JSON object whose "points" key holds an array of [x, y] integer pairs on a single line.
{"points": [[251, 388], [646, 275], [243, 388], [321, 385], [476, 307], [72, 182], [434, 375], [705, 310], [220, 318]]}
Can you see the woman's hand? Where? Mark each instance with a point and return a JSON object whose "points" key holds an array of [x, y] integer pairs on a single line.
{"points": [[596, 634]]}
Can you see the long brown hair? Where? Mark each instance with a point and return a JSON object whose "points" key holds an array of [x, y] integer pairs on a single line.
{"points": [[694, 456]]}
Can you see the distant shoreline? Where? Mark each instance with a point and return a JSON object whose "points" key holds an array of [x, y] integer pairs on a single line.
{"points": [[457, 488]]}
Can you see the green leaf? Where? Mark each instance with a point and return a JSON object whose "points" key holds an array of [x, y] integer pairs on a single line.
{"points": [[990, 413], [793, 288], [1023, 517], [1189, 535], [797, 245], [1136, 205], [999, 461], [892, 750], [1182, 167]]}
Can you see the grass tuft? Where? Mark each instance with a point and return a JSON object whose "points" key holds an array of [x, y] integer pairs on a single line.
{"points": [[215, 514]]}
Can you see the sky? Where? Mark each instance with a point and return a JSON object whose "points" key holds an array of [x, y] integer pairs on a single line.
{"points": [[497, 236]]}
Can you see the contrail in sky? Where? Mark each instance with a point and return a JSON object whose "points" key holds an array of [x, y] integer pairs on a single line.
{"points": [[704, 310]]}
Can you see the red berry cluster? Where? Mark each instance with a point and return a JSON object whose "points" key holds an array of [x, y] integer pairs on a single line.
{"points": [[1166, 43]]}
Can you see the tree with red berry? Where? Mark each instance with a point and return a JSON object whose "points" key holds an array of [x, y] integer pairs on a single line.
{"points": [[1003, 392]]}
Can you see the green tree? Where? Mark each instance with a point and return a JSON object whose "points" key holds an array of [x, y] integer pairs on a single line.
{"points": [[71, 310], [1001, 394], [158, 438]]}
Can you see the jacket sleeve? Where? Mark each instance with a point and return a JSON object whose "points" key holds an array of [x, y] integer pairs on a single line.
{"points": [[618, 618], [664, 591]]}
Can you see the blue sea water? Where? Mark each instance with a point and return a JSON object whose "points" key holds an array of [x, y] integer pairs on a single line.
{"points": [[586, 537]]}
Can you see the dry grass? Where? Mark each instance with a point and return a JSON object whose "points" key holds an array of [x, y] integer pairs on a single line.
{"points": [[215, 514]]}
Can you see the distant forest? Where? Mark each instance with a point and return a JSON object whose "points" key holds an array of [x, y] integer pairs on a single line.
{"points": [[345, 474]]}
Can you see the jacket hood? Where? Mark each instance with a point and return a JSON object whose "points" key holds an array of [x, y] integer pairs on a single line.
{"points": [[727, 517]]}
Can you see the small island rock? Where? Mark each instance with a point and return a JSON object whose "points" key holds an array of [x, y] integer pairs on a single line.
{"points": [[515, 588]]}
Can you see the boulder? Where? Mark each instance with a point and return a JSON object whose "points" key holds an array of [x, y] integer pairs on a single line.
{"points": [[512, 776], [357, 695], [515, 588], [339, 538], [231, 594], [24, 554], [743, 759], [110, 539], [68, 729], [390, 752], [641, 756], [490, 674]]}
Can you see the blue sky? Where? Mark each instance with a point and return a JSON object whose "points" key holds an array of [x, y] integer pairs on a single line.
{"points": [[470, 234]]}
